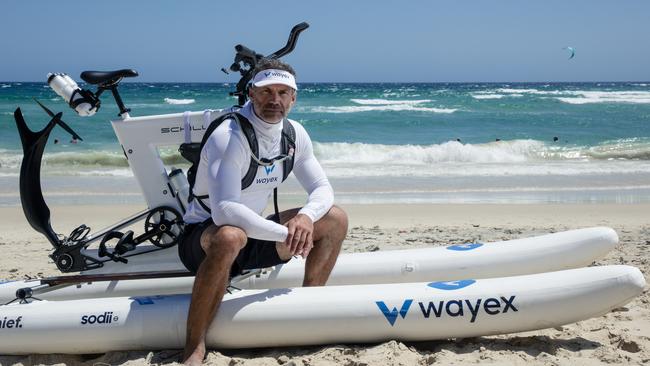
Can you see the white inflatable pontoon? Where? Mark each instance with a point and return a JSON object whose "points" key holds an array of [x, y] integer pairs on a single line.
{"points": [[321, 315], [551, 252]]}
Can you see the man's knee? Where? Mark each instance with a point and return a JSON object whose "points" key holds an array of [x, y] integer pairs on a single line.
{"points": [[339, 216], [333, 224], [223, 241]]}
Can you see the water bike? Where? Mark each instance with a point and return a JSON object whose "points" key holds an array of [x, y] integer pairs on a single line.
{"points": [[165, 192], [118, 282]]}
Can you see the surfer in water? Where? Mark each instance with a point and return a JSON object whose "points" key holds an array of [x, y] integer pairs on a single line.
{"points": [[226, 233]]}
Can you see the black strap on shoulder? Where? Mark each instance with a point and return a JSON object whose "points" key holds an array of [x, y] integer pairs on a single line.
{"points": [[192, 151], [288, 147], [249, 133]]}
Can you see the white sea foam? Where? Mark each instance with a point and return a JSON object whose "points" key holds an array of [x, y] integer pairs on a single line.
{"points": [[487, 96], [389, 102], [452, 151], [469, 170], [5, 86], [179, 101], [105, 173], [622, 149], [10, 160], [590, 97], [69, 160], [375, 108], [524, 91], [503, 158], [586, 96]]}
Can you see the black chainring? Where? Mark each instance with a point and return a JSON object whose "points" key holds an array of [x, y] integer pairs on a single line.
{"points": [[167, 224]]}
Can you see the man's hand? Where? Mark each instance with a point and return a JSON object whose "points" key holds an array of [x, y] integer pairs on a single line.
{"points": [[299, 239]]}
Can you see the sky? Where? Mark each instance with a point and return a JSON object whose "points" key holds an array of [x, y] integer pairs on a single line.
{"points": [[348, 41]]}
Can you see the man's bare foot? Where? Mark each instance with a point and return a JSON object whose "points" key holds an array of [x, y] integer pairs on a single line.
{"points": [[195, 358]]}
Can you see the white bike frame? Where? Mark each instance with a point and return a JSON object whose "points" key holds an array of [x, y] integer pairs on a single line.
{"points": [[141, 138]]}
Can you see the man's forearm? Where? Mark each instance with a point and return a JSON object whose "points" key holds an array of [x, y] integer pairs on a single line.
{"points": [[255, 226]]}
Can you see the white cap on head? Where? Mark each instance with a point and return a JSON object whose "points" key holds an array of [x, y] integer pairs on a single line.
{"points": [[274, 76]]}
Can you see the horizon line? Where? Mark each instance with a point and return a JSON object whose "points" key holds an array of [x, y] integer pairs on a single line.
{"points": [[365, 82]]}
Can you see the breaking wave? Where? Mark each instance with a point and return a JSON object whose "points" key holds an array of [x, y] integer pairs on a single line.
{"points": [[379, 105], [514, 151], [179, 101], [388, 102], [585, 96]]}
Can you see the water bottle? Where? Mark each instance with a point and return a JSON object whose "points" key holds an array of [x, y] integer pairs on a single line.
{"points": [[84, 102], [180, 185]]}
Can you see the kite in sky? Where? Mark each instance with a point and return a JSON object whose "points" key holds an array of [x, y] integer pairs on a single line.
{"points": [[571, 50]]}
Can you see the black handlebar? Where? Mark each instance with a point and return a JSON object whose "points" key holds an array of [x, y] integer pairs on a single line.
{"points": [[246, 60], [291, 42]]}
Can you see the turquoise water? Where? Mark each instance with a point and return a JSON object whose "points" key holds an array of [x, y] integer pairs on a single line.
{"points": [[476, 142]]}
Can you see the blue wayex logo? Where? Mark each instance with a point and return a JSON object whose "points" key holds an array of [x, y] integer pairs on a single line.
{"points": [[391, 315], [451, 285], [464, 247], [147, 300], [276, 74], [453, 308], [491, 306], [269, 169], [144, 300], [266, 180]]}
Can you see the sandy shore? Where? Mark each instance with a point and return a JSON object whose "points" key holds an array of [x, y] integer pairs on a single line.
{"points": [[620, 337]]}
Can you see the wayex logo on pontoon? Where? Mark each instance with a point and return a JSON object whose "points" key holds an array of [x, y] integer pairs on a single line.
{"points": [[453, 308], [391, 315], [464, 247]]}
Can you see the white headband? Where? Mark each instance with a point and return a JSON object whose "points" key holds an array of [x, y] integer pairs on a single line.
{"points": [[274, 76]]}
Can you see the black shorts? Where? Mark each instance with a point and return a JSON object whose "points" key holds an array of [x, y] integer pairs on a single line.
{"points": [[256, 254]]}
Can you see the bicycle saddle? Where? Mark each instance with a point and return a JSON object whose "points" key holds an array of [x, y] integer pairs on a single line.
{"points": [[107, 77]]}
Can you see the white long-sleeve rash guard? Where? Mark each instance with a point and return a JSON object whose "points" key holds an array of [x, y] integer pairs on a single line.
{"points": [[225, 159]]}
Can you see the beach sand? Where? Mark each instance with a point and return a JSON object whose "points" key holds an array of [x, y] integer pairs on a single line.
{"points": [[620, 337]]}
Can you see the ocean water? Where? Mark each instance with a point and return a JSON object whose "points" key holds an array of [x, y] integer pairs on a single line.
{"points": [[382, 142]]}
